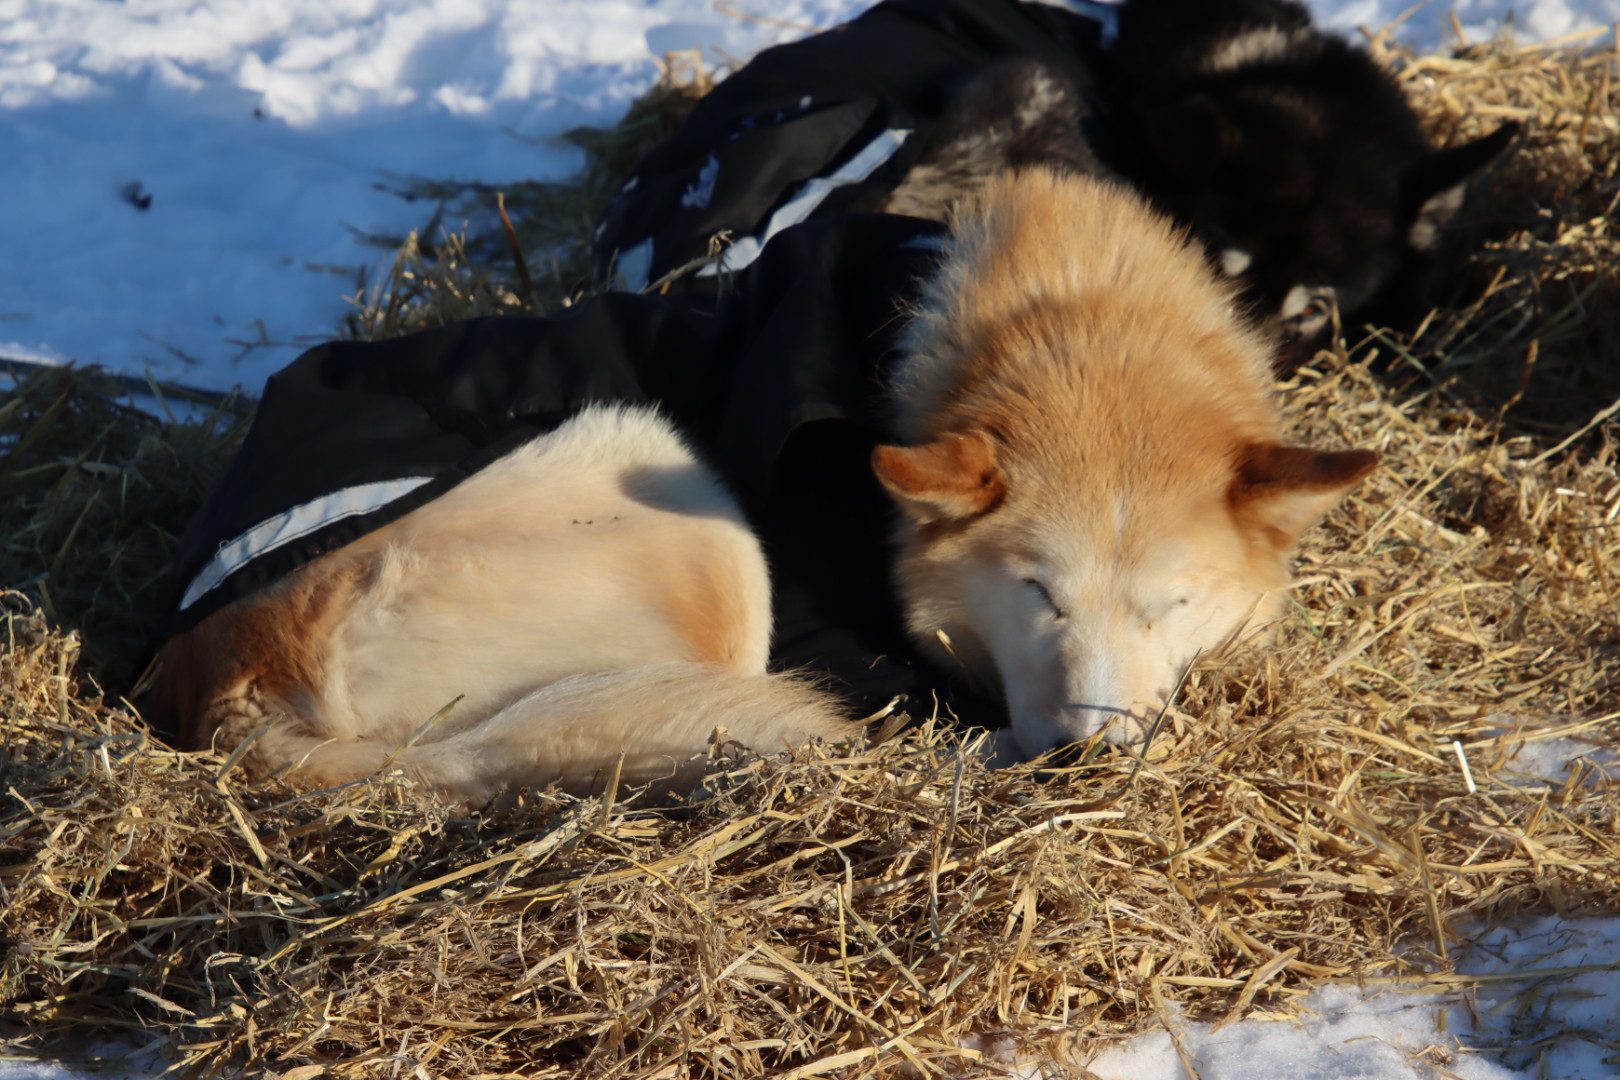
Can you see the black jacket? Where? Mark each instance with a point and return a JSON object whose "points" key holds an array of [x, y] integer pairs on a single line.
{"points": [[828, 125]]}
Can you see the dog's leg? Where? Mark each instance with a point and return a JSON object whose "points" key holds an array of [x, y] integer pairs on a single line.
{"points": [[260, 659], [281, 743]]}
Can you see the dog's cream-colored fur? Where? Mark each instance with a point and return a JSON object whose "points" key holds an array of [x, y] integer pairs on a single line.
{"points": [[1094, 491], [593, 593]]}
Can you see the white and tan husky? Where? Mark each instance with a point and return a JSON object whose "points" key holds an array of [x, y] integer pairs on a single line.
{"points": [[1093, 486]]}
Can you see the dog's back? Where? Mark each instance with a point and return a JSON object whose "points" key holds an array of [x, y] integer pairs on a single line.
{"points": [[1016, 113], [1095, 304]]}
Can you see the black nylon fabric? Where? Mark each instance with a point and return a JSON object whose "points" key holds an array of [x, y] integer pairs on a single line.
{"points": [[801, 109], [778, 383]]}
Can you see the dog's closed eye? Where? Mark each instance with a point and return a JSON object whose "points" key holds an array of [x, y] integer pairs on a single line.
{"points": [[1046, 597]]}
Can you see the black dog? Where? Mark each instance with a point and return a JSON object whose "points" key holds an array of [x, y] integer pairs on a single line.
{"points": [[1292, 155]]}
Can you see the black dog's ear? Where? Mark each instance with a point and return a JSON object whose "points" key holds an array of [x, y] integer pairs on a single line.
{"points": [[1432, 189]]}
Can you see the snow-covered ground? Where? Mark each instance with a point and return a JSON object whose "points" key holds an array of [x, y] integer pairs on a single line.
{"points": [[1429, 26], [262, 131], [1559, 1018], [264, 135]]}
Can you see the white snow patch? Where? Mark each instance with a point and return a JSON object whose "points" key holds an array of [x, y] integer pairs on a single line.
{"points": [[1540, 1025], [101, 1061], [1532, 755], [32, 354], [1429, 27], [1550, 760], [261, 132]]}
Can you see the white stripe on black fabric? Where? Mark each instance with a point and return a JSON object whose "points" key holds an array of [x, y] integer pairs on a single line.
{"points": [[810, 196], [292, 524]]}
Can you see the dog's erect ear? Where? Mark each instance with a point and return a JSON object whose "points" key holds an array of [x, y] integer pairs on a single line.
{"points": [[952, 478], [1432, 189], [1280, 491]]}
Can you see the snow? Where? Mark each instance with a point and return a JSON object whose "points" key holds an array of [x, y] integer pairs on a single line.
{"points": [[266, 136], [1535, 757], [1553, 1030], [101, 1061], [1430, 26]]}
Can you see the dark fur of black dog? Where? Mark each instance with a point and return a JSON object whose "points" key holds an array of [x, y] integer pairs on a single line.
{"points": [[1017, 112], [1291, 153]]}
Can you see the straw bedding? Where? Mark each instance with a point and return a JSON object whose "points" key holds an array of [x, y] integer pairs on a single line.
{"points": [[1305, 813]]}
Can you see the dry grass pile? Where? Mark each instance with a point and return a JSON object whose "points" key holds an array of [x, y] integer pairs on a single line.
{"points": [[93, 495], [1336, 806]]}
